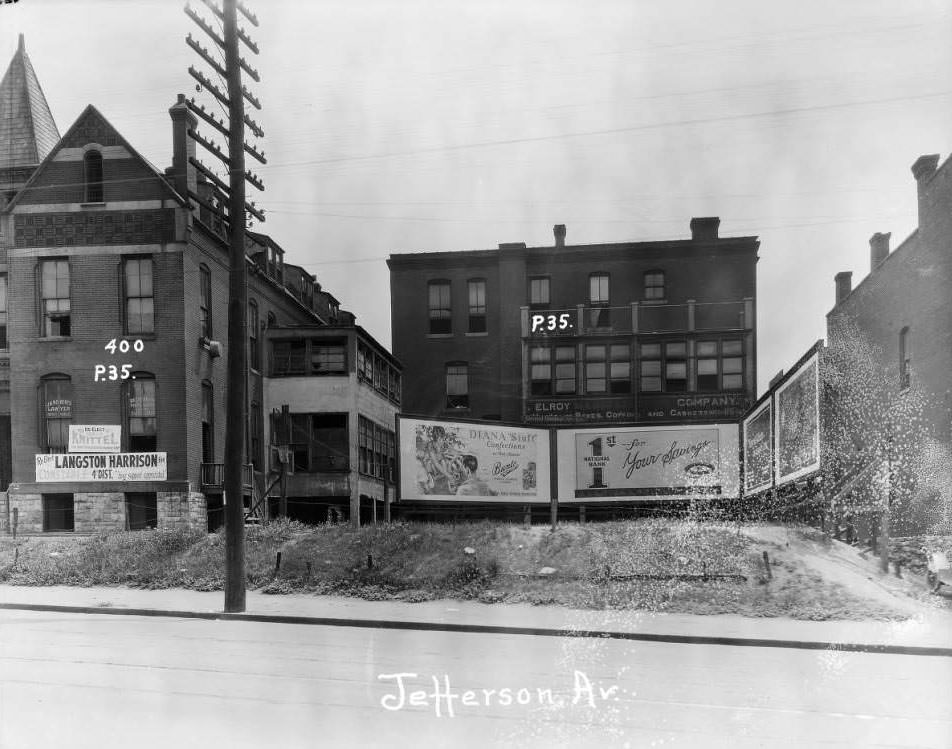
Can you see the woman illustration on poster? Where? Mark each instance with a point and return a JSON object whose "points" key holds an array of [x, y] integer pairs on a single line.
{"points": [[439, 462]]}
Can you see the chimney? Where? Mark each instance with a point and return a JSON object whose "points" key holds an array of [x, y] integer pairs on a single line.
{"points": [[183, 174], [923, 170], [705, 229], [844, 285], [559, 231], [878, 249]]}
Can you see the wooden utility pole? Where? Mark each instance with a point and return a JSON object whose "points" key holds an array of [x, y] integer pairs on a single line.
{"points": [[237, 326], [237, 366]]}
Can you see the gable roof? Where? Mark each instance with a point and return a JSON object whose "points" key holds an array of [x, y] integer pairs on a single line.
{"points": [[27, 130], [91, 125]]}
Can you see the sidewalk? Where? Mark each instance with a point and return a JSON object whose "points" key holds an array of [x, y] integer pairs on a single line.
{"points": [[933, 629]]}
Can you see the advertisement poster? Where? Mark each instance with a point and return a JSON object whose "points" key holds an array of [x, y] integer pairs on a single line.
{"points": [[449, 460], [94, 438], [798, 423], [101, 467], [758, 455], [649, 463]]}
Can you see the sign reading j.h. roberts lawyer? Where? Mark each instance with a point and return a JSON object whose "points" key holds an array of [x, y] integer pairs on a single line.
{"points": [[94, 438], [101, 467]]}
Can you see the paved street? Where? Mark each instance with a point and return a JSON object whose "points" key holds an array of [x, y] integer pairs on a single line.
{"points": [[82, 680]]}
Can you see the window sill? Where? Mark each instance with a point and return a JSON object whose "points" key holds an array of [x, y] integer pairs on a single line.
{"points": [[92, 206], [484, 334], [55, 338], [653, 302], [439, 335]]}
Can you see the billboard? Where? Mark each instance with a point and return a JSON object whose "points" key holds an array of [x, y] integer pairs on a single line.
{"points": [[648, 463], [797, 423], [90, 438], [481, 462], [101, 467], [758, 449]]}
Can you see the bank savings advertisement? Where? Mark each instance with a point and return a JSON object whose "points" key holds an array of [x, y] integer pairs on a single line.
{"points": [[655, 462], [481, 462]]}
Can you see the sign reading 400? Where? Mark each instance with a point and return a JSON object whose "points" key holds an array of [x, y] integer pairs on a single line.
{"points": [[551, 322]]}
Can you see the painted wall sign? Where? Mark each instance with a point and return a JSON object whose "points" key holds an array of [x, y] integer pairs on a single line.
{"points": [[578, 410], [101, 467], [758, 450], [797, 423], [648, 462], [94, 438], [447, 460], [680, 406]]}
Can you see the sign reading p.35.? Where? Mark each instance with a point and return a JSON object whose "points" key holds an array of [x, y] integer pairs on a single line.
{"points": [[550, 323], [114, 372]]}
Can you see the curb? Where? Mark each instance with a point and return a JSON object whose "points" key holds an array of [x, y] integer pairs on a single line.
{"points": [[846, 647]]}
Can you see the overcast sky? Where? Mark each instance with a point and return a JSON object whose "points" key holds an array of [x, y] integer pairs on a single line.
{"points": [[411, 126]]}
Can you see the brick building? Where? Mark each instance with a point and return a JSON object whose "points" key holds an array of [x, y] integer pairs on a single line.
{"points": [[114, 284], [628, 332], [902, 314]]}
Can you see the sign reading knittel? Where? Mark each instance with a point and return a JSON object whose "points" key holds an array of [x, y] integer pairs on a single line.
{"points": [[94, 438]]}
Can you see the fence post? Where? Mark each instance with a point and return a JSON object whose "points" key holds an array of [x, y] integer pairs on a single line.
{"points": [[16, 520]]}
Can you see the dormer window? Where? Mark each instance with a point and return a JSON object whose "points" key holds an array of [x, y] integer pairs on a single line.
{"points": [[92, 163]]}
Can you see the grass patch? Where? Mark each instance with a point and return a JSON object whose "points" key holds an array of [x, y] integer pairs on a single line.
{"points": [[684, 566]]}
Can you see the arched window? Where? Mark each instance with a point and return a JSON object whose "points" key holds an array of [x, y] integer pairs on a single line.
{"points": [[140, 413], [56, 411], [92, 163]]}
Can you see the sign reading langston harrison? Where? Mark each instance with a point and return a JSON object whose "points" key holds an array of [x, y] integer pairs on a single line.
{"points": [[101, 467]]}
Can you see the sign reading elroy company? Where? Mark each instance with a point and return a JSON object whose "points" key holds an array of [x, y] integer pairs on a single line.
{"points": [[486, 462], [90, 438], [101, 467], [648, 462]]}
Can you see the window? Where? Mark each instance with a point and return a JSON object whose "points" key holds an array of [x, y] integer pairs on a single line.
{"points": [[598, 297], [140, 423], [3, 311], [58, 512], [319, 442], [92, 163], [54, 275], [441, 322], [905, 358], [619, 372], [457, 385], [477, 306], [675, 367], [253, 353], [732, 364], [139, 305], [288, 357], [539, 292], [565, 370], [650, 356], [205, 301], [56, 412], [708, 371], [208, 423], [595, 381], [328, 358], [142, 511], [540, 370], [654, 285], [376, 449], [272, 320], [257, 457]]}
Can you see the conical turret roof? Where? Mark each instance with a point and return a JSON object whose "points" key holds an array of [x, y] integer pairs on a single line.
{"points": [[27, 130]]}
